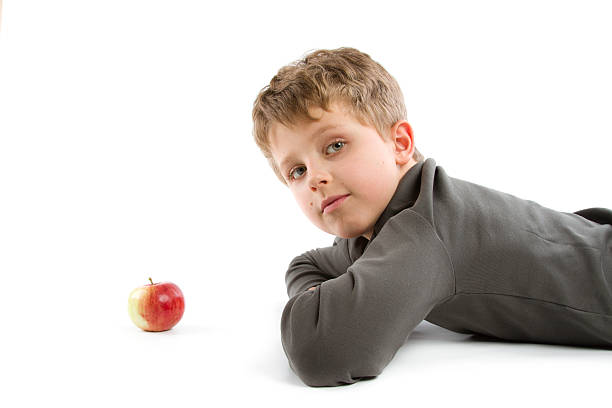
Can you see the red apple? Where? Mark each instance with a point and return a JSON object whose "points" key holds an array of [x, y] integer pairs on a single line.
{"points": [[156, 306]]}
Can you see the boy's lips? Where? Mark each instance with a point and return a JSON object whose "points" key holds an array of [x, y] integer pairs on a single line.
{"points": [[330, 200]]}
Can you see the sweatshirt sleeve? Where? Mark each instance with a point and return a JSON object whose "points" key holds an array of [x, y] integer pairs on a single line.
{"points": [[351, 326], [316, 266]]}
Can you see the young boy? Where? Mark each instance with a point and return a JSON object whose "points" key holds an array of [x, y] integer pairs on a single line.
{"points": [[411, 242]]}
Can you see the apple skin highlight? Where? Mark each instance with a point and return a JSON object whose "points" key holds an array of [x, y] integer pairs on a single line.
{"points": [[156, 307]]}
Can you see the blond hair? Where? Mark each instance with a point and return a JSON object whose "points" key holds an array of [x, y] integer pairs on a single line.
{"points": [[321, 78]]}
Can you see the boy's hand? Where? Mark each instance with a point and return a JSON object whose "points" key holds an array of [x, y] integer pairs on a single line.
{"points": [[313, 288]]}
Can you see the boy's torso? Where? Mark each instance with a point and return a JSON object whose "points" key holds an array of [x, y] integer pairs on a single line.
{"points": [[522, 271]]}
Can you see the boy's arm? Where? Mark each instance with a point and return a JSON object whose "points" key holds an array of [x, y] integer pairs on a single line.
{"points": [[316, 266], [351, 326]]}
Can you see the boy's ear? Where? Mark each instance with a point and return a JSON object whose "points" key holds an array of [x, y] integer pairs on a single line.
{"points": [[403, 141]]}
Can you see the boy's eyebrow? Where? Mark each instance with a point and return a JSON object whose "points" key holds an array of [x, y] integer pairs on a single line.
{"points": [[315, 135]]}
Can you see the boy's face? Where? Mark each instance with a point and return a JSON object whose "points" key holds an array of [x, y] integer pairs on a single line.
{"points": [[337, 155]]}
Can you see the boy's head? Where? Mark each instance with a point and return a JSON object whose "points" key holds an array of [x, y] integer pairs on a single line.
{"points": [[333, 124]]}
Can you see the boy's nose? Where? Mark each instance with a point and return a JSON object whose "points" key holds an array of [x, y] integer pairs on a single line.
{"points": [[314, 188], [318, 179]]}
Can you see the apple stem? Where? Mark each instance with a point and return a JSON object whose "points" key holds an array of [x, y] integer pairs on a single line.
{"points": [[151, 281]]}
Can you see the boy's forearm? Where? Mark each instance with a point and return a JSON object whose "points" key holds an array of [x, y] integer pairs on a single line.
{"points": [[350, 327], [315, 267]]}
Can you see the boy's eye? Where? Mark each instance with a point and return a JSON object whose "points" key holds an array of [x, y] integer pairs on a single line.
{"points": [[292, 172], [337, 145]]}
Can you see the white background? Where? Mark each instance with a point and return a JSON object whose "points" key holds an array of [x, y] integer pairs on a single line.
{"points": [[126, 152]]}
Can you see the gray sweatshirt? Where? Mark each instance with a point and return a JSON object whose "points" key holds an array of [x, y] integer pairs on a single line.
{"points": [[461, 256]]}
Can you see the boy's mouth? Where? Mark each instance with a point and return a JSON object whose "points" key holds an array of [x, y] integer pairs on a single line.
{"points": [[329, 202]]}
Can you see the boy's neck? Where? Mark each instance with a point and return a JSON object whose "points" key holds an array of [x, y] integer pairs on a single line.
{"points": [[401, 173]]}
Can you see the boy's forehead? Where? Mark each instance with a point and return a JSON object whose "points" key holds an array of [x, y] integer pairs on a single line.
{"points": [[319, 120], [315, 112], [300, 124]]}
